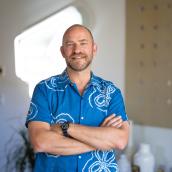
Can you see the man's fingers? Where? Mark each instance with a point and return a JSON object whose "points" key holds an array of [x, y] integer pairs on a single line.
{"points": [[110, 117], [115, 121], [116, 126], [107, 120], [112, 121]]}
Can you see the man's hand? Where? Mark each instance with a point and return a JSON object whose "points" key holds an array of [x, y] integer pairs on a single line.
{"points": [[112, 121]]}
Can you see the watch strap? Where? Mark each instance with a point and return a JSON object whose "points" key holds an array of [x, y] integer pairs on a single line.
{"points": [[64, 127]]}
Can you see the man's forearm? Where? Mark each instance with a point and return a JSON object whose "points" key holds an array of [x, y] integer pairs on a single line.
{"points": [[49, 141], [103, 138], [67, 146], [112, 133]]}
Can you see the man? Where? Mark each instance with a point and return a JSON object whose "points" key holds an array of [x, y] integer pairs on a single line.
{"points": [[76, 120]]}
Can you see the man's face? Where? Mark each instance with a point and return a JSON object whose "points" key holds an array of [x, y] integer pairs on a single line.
{"points": [[78, 48]]}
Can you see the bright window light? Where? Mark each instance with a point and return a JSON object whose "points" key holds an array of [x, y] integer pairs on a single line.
{"points": [[37, 50]]}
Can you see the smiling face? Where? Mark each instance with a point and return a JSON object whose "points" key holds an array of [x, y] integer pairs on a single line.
{"points": [[78, 48]]}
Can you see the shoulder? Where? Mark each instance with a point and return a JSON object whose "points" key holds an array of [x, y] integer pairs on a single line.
{"points": [[54, 83], [104, 84]]}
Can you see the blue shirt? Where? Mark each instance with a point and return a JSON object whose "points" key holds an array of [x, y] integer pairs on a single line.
{"points": [[56, 100]]}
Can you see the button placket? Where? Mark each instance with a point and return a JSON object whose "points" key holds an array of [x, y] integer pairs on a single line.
{"points": [[82, 111]]}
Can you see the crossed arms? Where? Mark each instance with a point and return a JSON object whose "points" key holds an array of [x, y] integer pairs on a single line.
{"points": [[111, 134]]}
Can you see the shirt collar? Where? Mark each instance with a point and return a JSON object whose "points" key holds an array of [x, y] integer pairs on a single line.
{"points": [[65, 78], [93, 80]]}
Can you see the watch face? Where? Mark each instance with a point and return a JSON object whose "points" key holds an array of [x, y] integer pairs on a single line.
{"points": [[65, 126]]}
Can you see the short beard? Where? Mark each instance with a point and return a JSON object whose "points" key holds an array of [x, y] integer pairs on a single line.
{"points": [[79, 69]]}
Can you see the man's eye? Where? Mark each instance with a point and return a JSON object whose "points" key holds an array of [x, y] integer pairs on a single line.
{"points": [[83, 43], [69, 44]]}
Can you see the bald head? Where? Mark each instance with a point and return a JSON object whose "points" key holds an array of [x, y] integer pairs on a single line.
{"points": [[75, 26]]}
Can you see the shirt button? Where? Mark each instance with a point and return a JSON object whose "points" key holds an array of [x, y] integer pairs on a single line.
{"points": [[82, 117], [79, 157]]}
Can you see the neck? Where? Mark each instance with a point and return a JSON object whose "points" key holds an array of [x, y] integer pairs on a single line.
{"points": [[80, 78]]}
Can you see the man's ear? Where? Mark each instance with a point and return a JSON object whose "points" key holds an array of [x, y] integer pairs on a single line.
{"points": [[94, 49], [62, 50]]}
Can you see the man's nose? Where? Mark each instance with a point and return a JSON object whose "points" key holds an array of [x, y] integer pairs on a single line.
{"points": [[77, 49]]}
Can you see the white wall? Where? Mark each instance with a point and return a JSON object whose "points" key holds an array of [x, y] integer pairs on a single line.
{"points": [[109, 32]]}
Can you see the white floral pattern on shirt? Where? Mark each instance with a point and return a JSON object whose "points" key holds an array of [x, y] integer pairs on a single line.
{"points": [[103, 97], [101, 161], [61, 118], [33, 111], [57, 83]]}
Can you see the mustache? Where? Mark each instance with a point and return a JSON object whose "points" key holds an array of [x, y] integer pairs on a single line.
{"points": [[78, 55]]}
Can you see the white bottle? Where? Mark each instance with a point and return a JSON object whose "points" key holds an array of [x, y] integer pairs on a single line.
{"points": [[144, 158], [124, 164]]}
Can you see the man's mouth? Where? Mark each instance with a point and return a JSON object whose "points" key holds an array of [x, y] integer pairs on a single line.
{"points": [[78, 57]]}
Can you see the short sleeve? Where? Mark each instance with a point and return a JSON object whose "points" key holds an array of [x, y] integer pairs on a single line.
{"points": [[117, 106], [39, 106]]}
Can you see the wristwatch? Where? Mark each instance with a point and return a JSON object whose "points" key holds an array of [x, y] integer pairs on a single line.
{"points": [[64, 126]]}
